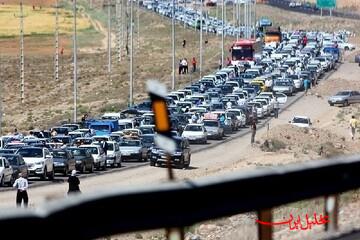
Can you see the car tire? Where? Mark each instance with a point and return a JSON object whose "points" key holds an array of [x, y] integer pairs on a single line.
{"points": [[65, 172], [51, 175], [152, 163], [83, 168], [346, 103], [12, 180], [346, 48], [43, 176], [331, 104], [2, 181]]}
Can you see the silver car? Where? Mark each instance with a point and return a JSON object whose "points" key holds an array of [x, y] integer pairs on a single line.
{"points": [[345, 98], [214, 129]]}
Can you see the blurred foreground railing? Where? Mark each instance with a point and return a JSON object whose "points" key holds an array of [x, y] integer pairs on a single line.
{"points": [[179, 204]]}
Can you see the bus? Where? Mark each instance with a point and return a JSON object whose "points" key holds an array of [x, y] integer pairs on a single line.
{"points": [[244, 50], [273, 36]]}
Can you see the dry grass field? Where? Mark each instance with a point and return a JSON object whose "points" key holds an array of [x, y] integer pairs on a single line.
{"points": [[37, 22]]}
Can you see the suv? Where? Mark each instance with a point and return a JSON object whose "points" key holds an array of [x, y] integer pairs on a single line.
{"points": [[39, 161], [98, 154], [64, 161], [6, 172], [113, 157], [180, 158]]}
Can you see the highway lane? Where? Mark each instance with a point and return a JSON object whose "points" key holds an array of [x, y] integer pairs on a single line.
{"points": [[195, 148]]}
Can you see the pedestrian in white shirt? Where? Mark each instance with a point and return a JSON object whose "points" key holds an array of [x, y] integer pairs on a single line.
{"points": [[22, 185], [228, 105]]}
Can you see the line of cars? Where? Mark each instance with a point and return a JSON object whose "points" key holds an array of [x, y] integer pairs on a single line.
{"points": [[216, 105]]}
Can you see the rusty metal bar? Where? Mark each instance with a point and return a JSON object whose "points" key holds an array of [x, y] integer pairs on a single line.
{"points": [[265, 231], [332, 210]]}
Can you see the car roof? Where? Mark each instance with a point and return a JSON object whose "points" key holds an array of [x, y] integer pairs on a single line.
{"points": [[301, 117]]}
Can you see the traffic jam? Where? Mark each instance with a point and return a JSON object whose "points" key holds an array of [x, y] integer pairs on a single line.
{"points": [[259, 78]]}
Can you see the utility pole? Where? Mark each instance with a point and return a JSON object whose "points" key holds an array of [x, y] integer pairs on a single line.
{"points": [[1, 97], [131, 53], [222, 35], [255, 19], [109, 37], [56, 75], [173, 46], [138, 23], [75, 62], [22, 84], [118, 27], [201, 37]]}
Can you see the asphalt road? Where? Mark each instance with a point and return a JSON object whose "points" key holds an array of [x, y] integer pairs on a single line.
{"points": [[36, 182]]}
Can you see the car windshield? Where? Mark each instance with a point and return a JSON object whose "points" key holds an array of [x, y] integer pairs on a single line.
{"points": [[61, 140], [100, 127], [148, 139], [300, 120], [147, 130], [236, 113], [31, 152], [211, 123], [110, 146], [343, 93], [281, 83], [130, 143], [12, 160], [193, 128], [59, 154], [78, 152], [93, 150]]}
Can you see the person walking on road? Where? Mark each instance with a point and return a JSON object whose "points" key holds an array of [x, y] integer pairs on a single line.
{"points": [[353, 126], [22, 185], [74, 183], [276, 108], [253, 132]]}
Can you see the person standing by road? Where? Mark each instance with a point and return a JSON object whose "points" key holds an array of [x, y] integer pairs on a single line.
{"points": [[306, 85], [104, 145], [253, 132], [276, 107], [353, 126], [22, 185], [193, 62], [74, 183], [220, 64]]}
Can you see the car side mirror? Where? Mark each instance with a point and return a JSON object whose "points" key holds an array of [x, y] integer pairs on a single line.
{"points": [[7, 165], [47, 156]]}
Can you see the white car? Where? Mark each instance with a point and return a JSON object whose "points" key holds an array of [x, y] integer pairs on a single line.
{"points": [[301, 121], [345, 46], [98, 154], [195, 133], [281, 97], [39, 161], [6, 172], [113, 157], [239, 115]]}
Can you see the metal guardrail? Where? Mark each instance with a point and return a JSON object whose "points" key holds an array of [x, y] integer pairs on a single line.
{"points": [[284, 4], [178, 204]]}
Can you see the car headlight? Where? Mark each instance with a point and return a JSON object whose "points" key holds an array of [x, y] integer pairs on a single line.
{"points": [[111, 155], [154, 151], [39, 163]]}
